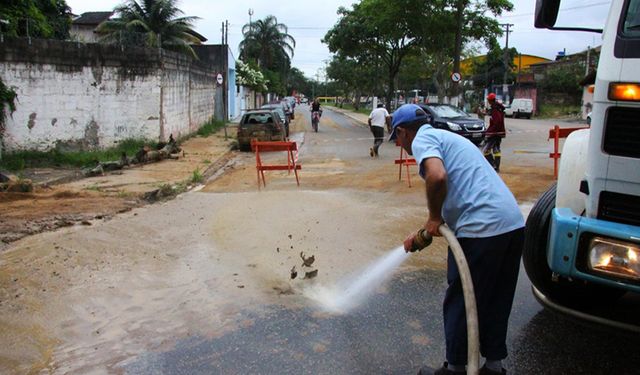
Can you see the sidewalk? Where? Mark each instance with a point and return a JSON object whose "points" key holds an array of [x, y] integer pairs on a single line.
{"points": [[359, 117], [63, 198]]}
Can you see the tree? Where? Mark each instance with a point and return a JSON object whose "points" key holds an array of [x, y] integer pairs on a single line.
{"points": [[381, 30], [155, 23], [298, 82], [471, 23], [268, 43], [354, 77], [564, 80], [490, 69], [36, 18]]}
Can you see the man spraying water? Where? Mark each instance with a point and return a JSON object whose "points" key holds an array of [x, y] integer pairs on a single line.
{"points": [[465, 192]]}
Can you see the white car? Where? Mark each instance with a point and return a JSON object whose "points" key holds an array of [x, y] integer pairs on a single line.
{"points": [[519, 108]]}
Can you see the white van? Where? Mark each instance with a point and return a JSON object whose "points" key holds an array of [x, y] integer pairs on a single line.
{"points": [[519, 108]]}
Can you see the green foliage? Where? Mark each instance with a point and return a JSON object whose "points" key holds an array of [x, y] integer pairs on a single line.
{"points": [[7, 101], [19, 160], [36, 18], [490, 70], [298, 82], [196, 176], [268, 43], [563, 80], [210, 127], [250, 76], [557, 110], [154, 22]]}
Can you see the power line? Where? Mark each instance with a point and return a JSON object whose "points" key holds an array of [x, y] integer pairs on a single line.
{"points": [[563, 9]]}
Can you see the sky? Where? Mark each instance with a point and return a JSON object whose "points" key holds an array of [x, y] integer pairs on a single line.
{"points": [[309, 21]]}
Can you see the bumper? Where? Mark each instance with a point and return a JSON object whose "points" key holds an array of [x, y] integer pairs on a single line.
{"points": [[568, 246]]}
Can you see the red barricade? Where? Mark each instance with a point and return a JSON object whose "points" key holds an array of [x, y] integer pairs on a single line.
{"points": [[404, 161], [291, 148]]}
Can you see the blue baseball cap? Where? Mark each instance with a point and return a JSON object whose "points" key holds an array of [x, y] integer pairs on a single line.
{"points": [[406, 114]]}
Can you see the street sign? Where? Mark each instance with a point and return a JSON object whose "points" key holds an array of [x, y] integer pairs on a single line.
{"points": [[219, 78], [456, 77]]}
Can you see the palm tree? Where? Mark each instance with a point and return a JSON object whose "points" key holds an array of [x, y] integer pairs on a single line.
{"points": [[153, 23], [267, 42]]}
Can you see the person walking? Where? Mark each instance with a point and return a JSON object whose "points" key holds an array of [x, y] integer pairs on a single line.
{"points": [[465, 193], [495, 133], [378, 118]]}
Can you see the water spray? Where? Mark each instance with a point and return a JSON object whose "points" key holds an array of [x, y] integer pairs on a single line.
{"points": [[351, 292]]}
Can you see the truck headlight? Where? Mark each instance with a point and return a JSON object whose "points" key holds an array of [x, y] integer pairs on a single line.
{"points": [[613, 257], [453, 126]]}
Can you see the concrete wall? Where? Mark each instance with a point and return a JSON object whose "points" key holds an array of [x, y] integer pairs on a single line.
{"points": [[85, 96]]}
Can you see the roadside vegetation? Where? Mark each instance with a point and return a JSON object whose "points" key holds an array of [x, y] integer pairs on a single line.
{"points": [[558, 111], [19, 160]]}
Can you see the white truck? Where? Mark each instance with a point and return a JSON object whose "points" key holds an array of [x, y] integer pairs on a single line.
{"points": [[582, 242]]}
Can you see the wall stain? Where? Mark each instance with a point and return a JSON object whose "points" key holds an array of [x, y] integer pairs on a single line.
{"points": [[32, 120], [54, 121], [91, 140]]}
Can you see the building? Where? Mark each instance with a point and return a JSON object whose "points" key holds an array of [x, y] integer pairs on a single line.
{"points": [[83, 28]]}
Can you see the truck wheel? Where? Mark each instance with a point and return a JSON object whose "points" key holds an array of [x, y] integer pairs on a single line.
{"points": [[576, 293]]}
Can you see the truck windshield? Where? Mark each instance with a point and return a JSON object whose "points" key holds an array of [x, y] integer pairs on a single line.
{"points": [[631, 25]]}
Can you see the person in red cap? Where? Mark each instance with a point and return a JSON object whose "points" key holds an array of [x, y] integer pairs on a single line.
{"points": [[495, 132]]}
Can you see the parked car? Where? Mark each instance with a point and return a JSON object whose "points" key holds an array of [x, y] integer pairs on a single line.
{"points": [[288, 110], [279, 110], [260, 124], [448, 117], [519, 108]]}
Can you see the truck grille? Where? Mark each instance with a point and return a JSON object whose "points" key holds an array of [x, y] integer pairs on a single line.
{"points": [[619, 208], [622, 132]]}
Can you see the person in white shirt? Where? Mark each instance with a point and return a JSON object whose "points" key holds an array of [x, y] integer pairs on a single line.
{"points": [[378, 118]]}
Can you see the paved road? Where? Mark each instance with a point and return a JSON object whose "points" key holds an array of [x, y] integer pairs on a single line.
{"points": [[201, 284], [398, 331]]}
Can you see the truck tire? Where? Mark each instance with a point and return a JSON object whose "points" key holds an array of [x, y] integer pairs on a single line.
{"points": [[576, 293]]}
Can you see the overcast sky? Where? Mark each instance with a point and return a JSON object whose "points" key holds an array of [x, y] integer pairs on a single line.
{"points": [[308, 22]]}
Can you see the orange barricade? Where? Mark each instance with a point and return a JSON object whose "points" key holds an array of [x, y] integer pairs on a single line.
{"points": [[406, 162], [292, 163], [556, 133]]}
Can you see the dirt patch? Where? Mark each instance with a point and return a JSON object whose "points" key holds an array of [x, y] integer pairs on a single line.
{"points": [[99, 198], [25, 214]]}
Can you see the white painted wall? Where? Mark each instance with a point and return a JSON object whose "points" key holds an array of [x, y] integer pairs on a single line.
{"points": [[95, 105]]}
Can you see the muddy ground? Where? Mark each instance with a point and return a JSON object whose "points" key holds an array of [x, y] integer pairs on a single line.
{"points": [[92, 297], [62, 198]]}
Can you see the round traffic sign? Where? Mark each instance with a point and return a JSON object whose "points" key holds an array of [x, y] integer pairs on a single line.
{"points": [[456, 77], [219, 78]]}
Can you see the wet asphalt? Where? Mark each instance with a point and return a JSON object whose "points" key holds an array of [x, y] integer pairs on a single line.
{"points": [[393, 332]]}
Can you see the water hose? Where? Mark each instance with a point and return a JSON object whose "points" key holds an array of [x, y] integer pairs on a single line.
{"points": [[473, 341]]}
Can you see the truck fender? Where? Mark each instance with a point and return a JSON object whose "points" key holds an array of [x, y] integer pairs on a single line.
{"points": [[573, 164]]}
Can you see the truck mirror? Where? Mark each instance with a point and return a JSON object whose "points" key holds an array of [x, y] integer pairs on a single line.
{"points": [[546, 13]]}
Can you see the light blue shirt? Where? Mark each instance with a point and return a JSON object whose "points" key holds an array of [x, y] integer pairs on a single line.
{"points": [[478, 203]]}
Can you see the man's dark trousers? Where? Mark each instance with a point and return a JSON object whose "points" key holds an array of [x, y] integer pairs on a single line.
{"points": [[378, 135], [494, 263]]}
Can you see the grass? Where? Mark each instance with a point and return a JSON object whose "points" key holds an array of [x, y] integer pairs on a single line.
{"points": [[555, 110], [210, 127], [349, 107], [196, 176], [20, 160]]}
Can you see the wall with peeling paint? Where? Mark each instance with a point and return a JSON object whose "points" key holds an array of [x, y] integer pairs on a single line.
{"points": [[75, 96]]}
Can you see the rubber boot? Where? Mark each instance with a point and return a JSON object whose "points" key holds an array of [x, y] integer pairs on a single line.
{"points": [[490, 159], [496, 162]]}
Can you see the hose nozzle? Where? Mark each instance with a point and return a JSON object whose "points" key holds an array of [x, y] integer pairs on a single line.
{"points": [[421, 240]]}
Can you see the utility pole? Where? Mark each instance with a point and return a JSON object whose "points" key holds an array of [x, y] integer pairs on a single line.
{"points": [[505, 88]]}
